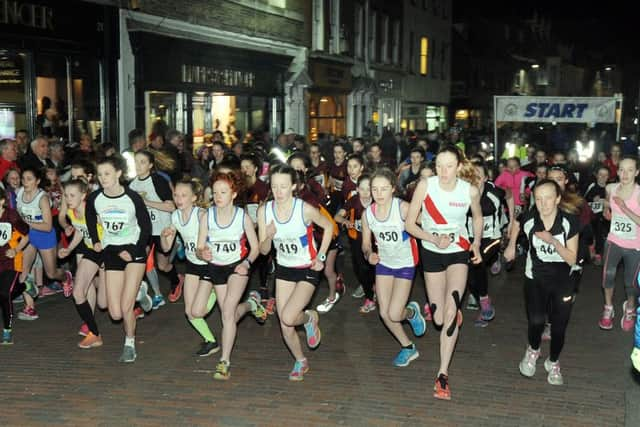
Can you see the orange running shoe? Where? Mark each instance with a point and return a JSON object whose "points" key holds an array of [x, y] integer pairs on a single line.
{"points": [[175, 294], [441, 388], [90, 341]]}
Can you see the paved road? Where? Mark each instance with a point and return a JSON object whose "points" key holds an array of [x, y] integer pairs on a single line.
{"points": [[46, 379]]}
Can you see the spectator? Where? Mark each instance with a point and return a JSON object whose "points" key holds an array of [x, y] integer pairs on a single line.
{"points": [[38, 156], [57, 156], [201, 166], [22, 140], [411, 171], [137, 142], [8, 156], [613, 160]]}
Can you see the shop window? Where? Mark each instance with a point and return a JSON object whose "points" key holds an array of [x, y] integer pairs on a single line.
{"points": [[12, 94], [395, 55], [424, 55], [52, 100], [359, 33], [85, 92], [373, 17], [326, 115]]}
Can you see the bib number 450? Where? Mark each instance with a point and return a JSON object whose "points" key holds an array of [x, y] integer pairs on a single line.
{"points": [[388, 236]]}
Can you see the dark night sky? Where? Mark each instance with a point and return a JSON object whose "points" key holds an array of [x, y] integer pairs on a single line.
{"points": [[609, 26]]}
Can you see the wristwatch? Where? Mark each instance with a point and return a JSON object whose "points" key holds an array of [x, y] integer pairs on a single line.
{"points": [[321, 257]]}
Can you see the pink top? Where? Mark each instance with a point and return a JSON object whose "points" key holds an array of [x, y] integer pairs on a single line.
{"points": [[624, 231], [510, 181]]}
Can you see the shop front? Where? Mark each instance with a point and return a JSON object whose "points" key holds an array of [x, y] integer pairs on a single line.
{"points": [[327, 99], [389, 105], [57, 73], [424, 117], [202, 88]]}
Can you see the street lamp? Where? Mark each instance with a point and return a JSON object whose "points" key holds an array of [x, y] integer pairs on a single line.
{"points": [[535, 66]]}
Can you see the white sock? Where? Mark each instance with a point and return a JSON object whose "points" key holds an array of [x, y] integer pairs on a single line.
{"points": [[130, 341]]}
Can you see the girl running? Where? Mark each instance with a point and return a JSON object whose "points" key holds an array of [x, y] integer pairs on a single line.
{"points": [[553, 247], [355, 168], [286, 222], [34, 207], [225, 232], [89, 263], [127, 230], [623, 209], [158, 198], [198, 295], [10, 285], [395, 261], [350, 217], [443, 202], [492, 202]]}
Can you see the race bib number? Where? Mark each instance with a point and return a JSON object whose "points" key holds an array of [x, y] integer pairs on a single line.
{"points": [[623, 227], [224, 248], [5, 233], [388, 236], [252, 211], [31, 214], [446, 230], [115, 223], [545, 251], [289, 246], [357, 225], [189, 247], [153, 215], [337, 184], [597, 207], [487, 227]]}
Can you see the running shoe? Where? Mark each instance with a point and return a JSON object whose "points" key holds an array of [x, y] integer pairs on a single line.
{"points": [[222, 371], [176, 293], [406, 356], [635, 358], [528, 363], [67, 285], [628, 321], [479, 322], [128, 354], [368, 306], [597, 260], [441, 388], [300, 368], [312, 329], [138, 312], [270, 306], [30, 287], [418, 325], [46, 291], [28, 313], [427, 312], [358, 293], [546, 334], [258, 312], [472, 303], [606, 321], [90, 341], [157, 302], [143, 298], [84, 330], [207, 348], [7, 337], [553, 368], [340, 287], [18, 299], [496, 267], [328, 304], [486, 309]]}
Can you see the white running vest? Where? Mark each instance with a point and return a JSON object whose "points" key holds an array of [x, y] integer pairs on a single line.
{"points": [[396, 248], [445, 212], [29, 211], [295, 247], [229, 243], [159, 219], [189, 233]]}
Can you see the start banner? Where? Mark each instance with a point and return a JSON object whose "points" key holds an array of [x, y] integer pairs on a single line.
{"points": [[555, 109]]}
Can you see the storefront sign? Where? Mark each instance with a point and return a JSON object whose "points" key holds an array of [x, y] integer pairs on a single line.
{"points": [[555, 109], [26, 15], [10, 72], [331, 76], [201, 74]]}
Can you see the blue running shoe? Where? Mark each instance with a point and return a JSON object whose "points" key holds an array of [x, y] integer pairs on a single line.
{"points": [[7, 338], [416, 321], [406, 356], [158, 301]]}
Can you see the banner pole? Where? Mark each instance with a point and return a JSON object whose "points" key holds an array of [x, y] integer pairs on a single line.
{"points": [[495, 130]]}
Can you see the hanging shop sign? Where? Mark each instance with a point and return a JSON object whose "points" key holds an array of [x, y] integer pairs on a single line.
{"points": [[555, 109], [26, 15], [222, 77], [10, 72]]}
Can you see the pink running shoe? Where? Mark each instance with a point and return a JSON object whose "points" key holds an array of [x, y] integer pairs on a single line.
{"points": [[427, 313], [46, 291], [84, 330], [606, 321], [67, 285], [28, 313], [628, 321]]}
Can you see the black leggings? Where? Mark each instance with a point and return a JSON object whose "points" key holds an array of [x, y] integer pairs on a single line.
{"points": [[478, 277], [600, 228], [261, 265], [365, 272], [10, 288], [553, 296]]}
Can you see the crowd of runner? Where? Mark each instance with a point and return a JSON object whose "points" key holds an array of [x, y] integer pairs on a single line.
{"points": [[101, 227]]}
